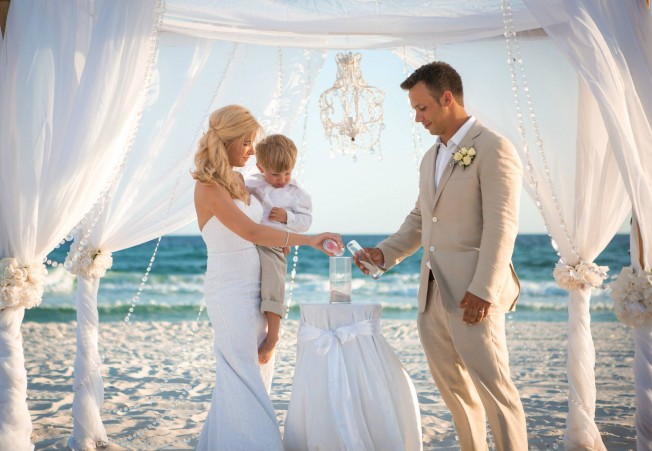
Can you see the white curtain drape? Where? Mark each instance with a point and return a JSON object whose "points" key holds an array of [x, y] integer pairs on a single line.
{"points": [[618, 72], [69, 74], [154, 195], [342, 24]]}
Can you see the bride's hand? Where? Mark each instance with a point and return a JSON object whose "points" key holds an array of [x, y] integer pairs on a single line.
{"points": [[266, 349], [317, 241]]}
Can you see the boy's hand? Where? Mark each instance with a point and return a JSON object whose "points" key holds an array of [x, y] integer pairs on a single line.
{"points": [[278, 215]]}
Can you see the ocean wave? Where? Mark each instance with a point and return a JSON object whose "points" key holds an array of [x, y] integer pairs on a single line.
{"points": [[155, 307]]}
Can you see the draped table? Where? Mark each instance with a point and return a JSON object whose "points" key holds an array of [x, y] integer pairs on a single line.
{"points": [[350, 391]]}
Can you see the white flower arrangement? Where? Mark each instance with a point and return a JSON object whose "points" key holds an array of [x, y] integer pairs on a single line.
{"points": [[21, 285], [464, 156], [88, 262], [632, 294], [582, 275]]}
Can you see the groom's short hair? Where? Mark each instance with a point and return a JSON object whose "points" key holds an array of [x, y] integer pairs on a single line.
{"points": [[438, 77]]}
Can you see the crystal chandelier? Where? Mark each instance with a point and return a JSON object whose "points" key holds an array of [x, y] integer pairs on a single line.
{"points": [[352, 111]]}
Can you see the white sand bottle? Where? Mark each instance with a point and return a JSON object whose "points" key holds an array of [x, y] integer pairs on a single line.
{"points": [[364, 258]]}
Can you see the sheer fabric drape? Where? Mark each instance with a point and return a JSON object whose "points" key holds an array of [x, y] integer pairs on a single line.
{"points": [[154, 195], [69, 72], [341, 24], [618, 73]]}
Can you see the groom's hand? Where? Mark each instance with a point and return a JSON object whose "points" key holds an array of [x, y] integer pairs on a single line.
{"points": [[376, 256], [475, 309]]}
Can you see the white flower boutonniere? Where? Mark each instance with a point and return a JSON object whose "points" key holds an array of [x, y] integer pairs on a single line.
{"points": [[464, 156]]}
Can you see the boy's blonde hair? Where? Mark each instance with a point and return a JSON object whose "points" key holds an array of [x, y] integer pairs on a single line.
{"points": [[276, 153]]}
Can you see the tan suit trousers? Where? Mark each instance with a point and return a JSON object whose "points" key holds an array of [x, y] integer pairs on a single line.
{"points": [[470, 365]]}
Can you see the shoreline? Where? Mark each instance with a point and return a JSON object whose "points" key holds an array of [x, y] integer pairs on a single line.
{"points": [[158, 381]]}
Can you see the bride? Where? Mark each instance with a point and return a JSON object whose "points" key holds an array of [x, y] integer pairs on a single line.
{"points": [[241, 416]]}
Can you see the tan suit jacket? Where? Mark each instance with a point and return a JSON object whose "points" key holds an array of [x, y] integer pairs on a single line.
{"points": [[467, 227]]}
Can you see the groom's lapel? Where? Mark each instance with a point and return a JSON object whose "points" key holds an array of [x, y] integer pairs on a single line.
{"points": [[468, 141], [444, 178], [431, 182]]}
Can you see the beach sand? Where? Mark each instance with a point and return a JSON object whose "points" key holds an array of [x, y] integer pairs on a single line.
{"points": [[158, 380]]}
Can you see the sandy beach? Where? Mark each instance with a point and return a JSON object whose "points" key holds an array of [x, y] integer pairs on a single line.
{"points": [[158, 382]]}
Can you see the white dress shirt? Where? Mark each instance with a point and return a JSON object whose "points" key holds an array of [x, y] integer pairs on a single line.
{"points": [[292, 198], [446, 151]]}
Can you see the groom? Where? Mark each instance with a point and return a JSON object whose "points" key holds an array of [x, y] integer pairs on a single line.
{"points": [[466, 219]]}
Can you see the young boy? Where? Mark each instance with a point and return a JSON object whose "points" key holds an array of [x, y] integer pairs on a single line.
{"points": [[285, 206]]}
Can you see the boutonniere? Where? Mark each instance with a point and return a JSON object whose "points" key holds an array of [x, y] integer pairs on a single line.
{"points": [[464, 156]]}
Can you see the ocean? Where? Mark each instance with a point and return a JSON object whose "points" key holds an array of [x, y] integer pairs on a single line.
{"points": [[174, 288]]}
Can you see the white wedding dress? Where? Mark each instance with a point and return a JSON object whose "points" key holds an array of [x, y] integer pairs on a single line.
{"points": [[241, 416]]}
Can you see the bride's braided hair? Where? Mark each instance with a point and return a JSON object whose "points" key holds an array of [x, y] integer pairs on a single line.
{"points": [[227, 126]]}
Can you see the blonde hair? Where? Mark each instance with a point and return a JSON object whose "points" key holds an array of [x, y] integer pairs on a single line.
{"points": [[227, 126], [276, 153]]}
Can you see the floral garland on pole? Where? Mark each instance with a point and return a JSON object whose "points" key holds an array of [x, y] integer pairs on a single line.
{"points": [[582, 275], [21, 285], [88, 262], [632, 294]]}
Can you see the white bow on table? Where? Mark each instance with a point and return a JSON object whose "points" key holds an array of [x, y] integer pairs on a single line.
{"points": [[329, 343]]}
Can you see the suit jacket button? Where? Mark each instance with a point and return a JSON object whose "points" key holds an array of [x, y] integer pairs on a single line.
{"points": [[432, 248], [434, 219]]}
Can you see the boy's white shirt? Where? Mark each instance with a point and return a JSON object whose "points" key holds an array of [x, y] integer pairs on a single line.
{"points": [[292, 198]]}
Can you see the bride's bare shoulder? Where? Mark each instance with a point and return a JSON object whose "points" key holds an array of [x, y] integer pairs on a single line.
{"points": [[209, 191]]}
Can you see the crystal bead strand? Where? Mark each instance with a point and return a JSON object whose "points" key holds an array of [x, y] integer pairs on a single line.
{"points": [[278, 93], [417, 143], [514, 57], [301, 158]]}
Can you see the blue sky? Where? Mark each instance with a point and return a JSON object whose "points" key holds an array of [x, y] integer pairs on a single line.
{"points": [[370, 195]]}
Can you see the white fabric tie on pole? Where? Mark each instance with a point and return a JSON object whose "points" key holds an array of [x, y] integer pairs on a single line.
{"points": [[581, 430], [68, 82], [643, 385], [329, 344], [15, 422], [88, 430]]}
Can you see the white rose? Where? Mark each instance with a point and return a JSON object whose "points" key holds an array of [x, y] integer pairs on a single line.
{"points": [[457, 156], [463, 150], [471, 151], [101, 263], [466, 160]]}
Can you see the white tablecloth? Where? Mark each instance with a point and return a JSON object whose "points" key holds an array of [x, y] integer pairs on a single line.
{"points": [[350, 391]]}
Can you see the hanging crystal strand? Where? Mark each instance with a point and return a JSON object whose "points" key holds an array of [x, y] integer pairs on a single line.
{"points": [[301, 158], [278, 93], [417, 143], [515, 58], [579, 413]]}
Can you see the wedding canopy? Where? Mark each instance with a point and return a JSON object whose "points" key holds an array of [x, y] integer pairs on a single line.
{"points": [[570, 86]]}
